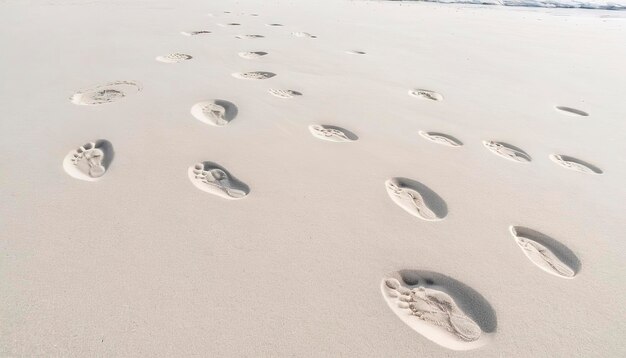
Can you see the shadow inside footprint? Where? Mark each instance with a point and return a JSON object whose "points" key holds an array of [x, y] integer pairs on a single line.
{"points": [[572, 111], [215, 112], [434, 202], [346, 132], [215, 179], [468, 299], [109, 153], [559, 250], [575, 164]]}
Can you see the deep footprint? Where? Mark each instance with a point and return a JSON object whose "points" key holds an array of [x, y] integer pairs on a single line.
{"points": [[416, 199], [107, 93], [507, 151], [280, 93], [214, 179], [174, 58], [440, 308], [426, 94], [332, 133], [255, 75], [252, 55], [572, 163], [546, 253], [441, 138], [214, 112], [572, 111], [89, 162]]}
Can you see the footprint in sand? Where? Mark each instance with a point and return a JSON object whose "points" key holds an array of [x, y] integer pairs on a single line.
{"points": [[214, 179], [575, 164], [274, 25], [249, 36], [332, 133], [507, 151], [281, 93], [195, 33], [110, 92], [355, 52], [252, 55], [440, 308], [90, 161], [255, 75], [416, 199], [303, 35], [426, 94], [572, 111], [441, 138], [174, 58], [546, 253], [229, 24], [215, 112]]}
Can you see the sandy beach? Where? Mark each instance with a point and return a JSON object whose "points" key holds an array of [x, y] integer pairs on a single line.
{"points": [[328, 178]]}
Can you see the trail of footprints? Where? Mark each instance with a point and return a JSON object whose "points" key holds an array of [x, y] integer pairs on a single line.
{"points": [[438, 307]]}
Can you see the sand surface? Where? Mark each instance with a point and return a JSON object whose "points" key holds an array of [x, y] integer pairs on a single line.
{"points": [[143, 263]]}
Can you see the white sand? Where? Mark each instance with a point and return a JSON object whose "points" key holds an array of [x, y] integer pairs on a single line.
{"points": [[143, 263]]}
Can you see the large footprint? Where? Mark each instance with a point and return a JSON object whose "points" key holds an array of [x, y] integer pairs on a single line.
{"points": [[214, 179], [107, 93], [215, 112], [507, 151], [426, 302], [575, 164], [89, 162], [416, 199], [546, 253]]}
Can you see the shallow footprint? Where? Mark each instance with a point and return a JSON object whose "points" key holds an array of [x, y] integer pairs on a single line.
{"points": [[440, 308], [426, 94], [332, 133], [355, 52], [274, 25], [303, 34], [90, 161], [195, 33], [572, 111], [174, 58], [214, 179], [255, 75], [107, 93], [546, 253], [249, 36], [215, 112], [441, 138], [252, 54], [229, 24], [416, 199], [575, 164], [280, 93], [507, 151]]}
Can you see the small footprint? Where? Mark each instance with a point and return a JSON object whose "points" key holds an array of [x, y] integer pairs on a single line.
{"points": [[252, 55], [214, 179], [507, 151], [441, 138], [416, 199], [280, 93], [426, 94], [274, 25], [355, 52], [546, 253], [249, 36], [572, 111], [174, 58], [214, 112], [90, 161], [255, 75], [575, 164], [440, 308], [332, 133], [303, 34], [229, 24], [194, 33], [107, 93]]}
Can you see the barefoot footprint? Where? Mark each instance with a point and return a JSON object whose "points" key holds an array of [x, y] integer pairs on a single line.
{"points": [[507, 151], [303, 34], [252, 55], [255, 75], [90, 161], [534, 246], [212, 178], [174, 58], [331, 133], [249, 36], [214, 112], [195, 33], [409, 198], [426, 94], [441, 138], [280, 93], [107, 93], [575, 164], [572, 111]]}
